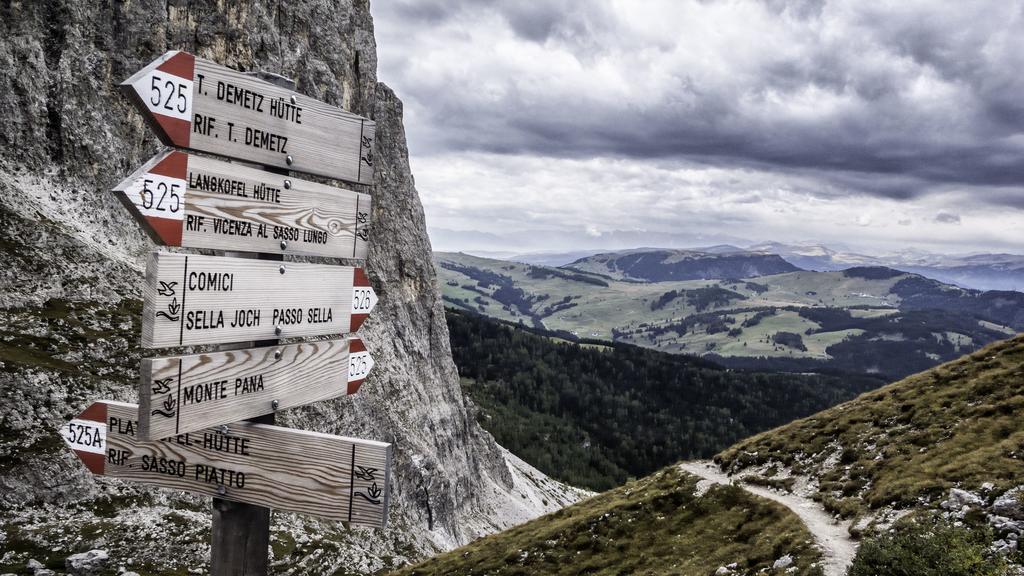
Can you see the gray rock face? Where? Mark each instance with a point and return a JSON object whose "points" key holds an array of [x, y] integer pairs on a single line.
{"points": [[72, 262]]}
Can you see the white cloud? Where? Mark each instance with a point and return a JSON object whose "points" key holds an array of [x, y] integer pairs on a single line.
{"points": [[504, 194]]}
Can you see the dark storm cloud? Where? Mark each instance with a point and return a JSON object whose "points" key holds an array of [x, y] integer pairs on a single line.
{"points": [[894, 101], [416, 13], [531, 21]]}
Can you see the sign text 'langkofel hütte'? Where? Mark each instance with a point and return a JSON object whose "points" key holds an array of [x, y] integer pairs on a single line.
{"points": [[198, 202]]}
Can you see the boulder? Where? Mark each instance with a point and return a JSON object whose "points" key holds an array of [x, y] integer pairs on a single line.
{"points": [[1002, 524], [961, 499], [1004, 548], [86, 563], [784, 562], [37, 568], [1010, 504]]}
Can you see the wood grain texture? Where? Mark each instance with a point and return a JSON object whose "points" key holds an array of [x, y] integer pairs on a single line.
{"points": [[211, 108], [227, 206], [239, 539], [192, 299], [329, 476], [179, 394]]}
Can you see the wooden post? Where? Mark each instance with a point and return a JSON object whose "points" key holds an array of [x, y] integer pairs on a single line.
{"points": [[240, 535]]}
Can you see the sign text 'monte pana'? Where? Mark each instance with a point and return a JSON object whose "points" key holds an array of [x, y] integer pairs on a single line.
{"points": [[197, 202], [191, 299], [193, 103], [306, 472], [179, 394]]}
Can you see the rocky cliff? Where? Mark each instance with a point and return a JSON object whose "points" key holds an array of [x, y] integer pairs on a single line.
{"points": [[71, 261]]}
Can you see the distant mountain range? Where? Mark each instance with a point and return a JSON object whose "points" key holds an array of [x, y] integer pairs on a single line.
{"points": [[978, 271], [537, 241], [668, 265]]}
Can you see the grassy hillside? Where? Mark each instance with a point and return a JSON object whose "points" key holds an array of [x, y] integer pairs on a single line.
{"points": [[957, 425], [655, 525], [902, 447], [871, 320], [594, 416]]}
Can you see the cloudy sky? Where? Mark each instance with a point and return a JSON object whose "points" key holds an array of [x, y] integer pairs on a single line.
{"points": [[874, 125]]}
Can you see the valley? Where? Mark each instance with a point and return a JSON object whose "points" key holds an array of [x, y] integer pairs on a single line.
{"points": [[871, 320], [596, 415]]}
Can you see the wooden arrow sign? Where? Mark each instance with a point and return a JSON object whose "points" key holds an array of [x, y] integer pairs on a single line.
{"points": [[193, 103], [306, 472], [190, 299], [181, 394], [197, 202]]}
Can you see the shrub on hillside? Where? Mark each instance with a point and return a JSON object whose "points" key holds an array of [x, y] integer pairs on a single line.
{"points": [[927, 547]]}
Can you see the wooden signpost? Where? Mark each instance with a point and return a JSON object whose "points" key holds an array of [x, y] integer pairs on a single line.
{"points": [[180, 394], [197, 202], [319, 474], [189, 433], [190, 299], [193, 103]]}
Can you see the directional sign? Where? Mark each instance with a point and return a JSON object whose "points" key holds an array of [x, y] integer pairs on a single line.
{"points": [[194, 103], [330, 476], [181, 394], [190, 299], [197, 202]]}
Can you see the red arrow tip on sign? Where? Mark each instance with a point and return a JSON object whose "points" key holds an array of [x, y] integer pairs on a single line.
{"points": [[86, 435], [364, 299], [155, 193], [359, 364], [359, 277], [175, 165], [164, 89]]}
